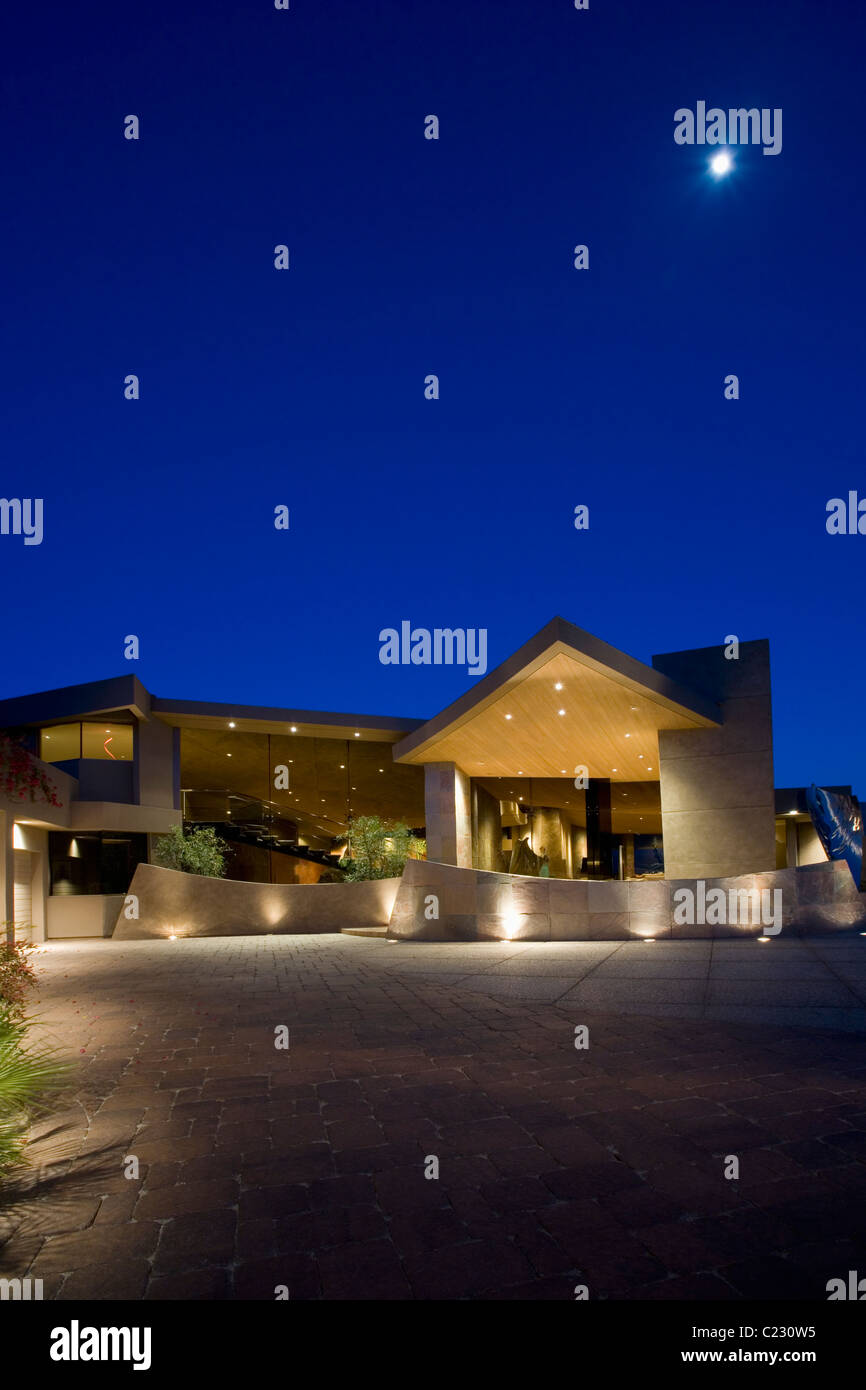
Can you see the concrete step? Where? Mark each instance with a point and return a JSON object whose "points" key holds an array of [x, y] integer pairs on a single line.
{"points": [[363, 931]]}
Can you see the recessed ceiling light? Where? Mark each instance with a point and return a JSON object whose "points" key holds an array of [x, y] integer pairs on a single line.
{"points": [[228, 755], [649, 769], [558, 685], [342, 767], [560, 711], [508, 716], [231, 726], [613, 769], [628, 735], [293, 729]]}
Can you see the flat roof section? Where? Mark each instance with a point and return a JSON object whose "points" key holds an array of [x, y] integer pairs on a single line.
{"points": [[195, 714]]}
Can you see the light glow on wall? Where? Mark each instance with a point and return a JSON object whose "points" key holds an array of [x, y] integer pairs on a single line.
{"points": [[511, 923]]}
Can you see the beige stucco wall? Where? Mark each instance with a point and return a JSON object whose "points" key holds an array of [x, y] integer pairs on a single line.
{"points": [[117, 815], [471, 904], [809, 847], [82, 914], [192, 905], [717, 790], [155, 764]]}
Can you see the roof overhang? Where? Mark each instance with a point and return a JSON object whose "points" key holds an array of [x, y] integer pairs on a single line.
{"points": [[613, 708], [76, 702], [193, 714]]}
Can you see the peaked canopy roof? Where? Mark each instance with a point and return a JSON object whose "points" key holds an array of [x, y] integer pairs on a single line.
{"points": [[563, 699]]}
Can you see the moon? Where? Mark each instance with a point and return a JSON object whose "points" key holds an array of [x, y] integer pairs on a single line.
{"points": [[721, 164]]}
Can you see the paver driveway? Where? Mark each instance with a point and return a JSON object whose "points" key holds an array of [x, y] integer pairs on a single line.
{"points": [[558, 1166]]}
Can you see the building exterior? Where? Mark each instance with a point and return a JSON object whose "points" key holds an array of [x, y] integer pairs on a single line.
{"points": [[570, 761]]}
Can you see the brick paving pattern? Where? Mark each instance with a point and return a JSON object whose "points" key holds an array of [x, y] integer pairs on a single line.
{"points": [[260, 1167]]}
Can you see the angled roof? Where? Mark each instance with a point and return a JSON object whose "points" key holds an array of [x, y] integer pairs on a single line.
{"points": [[563, 699]]}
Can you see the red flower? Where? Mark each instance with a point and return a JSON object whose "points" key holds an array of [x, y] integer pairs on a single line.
{"points": [[20, 774]]}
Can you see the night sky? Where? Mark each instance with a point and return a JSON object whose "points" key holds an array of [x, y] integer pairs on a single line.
{"points": [[409, 257]]}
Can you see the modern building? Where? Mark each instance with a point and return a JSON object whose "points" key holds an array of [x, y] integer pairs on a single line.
{"points": [[570, 760]]}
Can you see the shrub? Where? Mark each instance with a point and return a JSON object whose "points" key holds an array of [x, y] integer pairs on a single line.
{"points": [[377, 848], [20, 774], [28, 1076], [16, 976], [198, 851]]}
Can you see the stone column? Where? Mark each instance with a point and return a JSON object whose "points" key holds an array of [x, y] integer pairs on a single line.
{"points": [[447, 799], [791, 844], [628, 856], [547, 834], [7, 864], [598, 828], [717, 789]]}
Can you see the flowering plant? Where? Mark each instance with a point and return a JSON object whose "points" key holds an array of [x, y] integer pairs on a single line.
{"points": [[17, 975], [20, 773]]}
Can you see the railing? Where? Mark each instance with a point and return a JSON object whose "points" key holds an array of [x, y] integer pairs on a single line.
{"points": [[220, 805]]}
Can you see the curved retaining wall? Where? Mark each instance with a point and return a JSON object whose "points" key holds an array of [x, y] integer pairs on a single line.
{"points": [[473, 904], [170, 902]]}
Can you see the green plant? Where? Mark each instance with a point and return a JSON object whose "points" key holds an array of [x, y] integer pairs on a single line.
{"points": [[199, 851], [28, 1076], [377, 848], [16, 976]]}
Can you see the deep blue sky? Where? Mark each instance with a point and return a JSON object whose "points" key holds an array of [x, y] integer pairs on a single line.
{"points": [[408, 257]]}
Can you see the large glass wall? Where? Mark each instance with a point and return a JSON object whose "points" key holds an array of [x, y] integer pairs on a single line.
{"points": [[312, 784]]}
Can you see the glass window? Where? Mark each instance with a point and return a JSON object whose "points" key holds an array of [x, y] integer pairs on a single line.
{"points": [[112, 741], [94, 863], [60, 743]]}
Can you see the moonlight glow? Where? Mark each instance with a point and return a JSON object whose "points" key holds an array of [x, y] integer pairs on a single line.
{"points": [[721, 164]]}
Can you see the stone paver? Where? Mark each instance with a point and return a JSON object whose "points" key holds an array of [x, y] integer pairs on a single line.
{"points": [[256, 1167]]}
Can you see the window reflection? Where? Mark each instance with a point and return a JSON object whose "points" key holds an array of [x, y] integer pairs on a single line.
{"points": [[61, 743]]}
